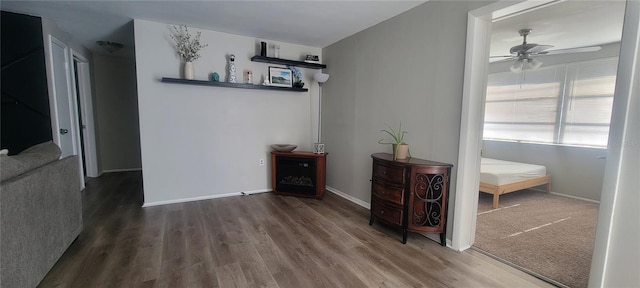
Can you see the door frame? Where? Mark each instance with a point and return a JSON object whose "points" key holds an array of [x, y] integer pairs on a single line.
{"points": [[468, 171], [86, 113], [73, 108], [472, 118]]}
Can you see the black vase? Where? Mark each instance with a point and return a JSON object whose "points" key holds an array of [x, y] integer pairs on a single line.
{"points": [[263, 49]]}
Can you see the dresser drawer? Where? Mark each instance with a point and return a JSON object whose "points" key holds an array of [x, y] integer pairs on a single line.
{"points": [[386, 213], [387, 192], [389, 173]]}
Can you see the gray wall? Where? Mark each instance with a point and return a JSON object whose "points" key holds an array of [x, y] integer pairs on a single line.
{"points": [[407, 69], [116, 103]]}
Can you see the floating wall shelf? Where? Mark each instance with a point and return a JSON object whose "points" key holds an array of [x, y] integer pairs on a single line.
{"points": [[231, 85], [264, 59]]}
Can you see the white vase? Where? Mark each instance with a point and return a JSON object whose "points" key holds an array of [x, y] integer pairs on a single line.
{"points": [[189, 73]]}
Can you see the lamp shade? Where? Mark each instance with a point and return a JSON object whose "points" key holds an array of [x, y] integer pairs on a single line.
{"points": [[321, 77], [534, 64], [516, 67]]}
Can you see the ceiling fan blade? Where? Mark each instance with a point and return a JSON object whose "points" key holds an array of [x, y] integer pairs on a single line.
{"points": [[571, 50], [493, 59], [538, 49]]}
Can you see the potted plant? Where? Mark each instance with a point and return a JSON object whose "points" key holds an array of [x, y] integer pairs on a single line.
{"points": [[188, 48], [400, 148]]}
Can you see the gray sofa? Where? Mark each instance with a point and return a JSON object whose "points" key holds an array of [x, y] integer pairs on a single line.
{"points": [[40, 212]]}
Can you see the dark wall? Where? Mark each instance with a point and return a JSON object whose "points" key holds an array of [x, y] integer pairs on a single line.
{"points": [[25, 114]]}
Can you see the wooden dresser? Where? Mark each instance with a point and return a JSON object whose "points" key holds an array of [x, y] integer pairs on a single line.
{"points": [[411, 194]]}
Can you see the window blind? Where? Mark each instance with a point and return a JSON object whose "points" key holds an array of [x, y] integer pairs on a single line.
{"points": [[560, 104]]}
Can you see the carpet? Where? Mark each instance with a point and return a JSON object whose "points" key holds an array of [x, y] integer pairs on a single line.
{"points": [[548, 234]]}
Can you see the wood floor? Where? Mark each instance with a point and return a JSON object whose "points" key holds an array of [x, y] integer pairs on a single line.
{"points": [[260, 240]]}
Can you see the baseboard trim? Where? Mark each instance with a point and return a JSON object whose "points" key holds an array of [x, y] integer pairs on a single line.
{"points": [[121, 170], [207, 197], [251, 192], [575, 197], [349, 197]]}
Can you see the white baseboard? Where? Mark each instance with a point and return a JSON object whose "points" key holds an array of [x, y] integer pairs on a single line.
{"points": [[565, 195], [575, 197], [251, 192], [121, 170], [207, 197], [349, 197]]}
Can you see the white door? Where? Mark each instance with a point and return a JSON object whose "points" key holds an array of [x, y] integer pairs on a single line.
{"points": [[61, 89]]}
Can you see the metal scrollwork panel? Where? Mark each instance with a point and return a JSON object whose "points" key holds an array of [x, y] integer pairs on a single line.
{"points": [[427, 201]]}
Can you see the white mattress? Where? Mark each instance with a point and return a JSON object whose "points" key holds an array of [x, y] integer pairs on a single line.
{"points": [[500, 172]]}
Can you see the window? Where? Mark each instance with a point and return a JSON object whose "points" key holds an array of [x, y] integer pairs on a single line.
{"points": [[561, 104]]}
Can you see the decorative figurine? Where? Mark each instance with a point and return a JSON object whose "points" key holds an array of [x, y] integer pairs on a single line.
{"points": [[215, 77], [312, 59], [249, 77], [318, 148], [297, 81], [232, 68]]}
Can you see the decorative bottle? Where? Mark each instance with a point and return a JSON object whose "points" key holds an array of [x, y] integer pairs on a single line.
{"points": [[232, 69]]}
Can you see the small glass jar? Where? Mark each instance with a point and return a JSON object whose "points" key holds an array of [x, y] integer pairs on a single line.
{"points": [[276, 51]]}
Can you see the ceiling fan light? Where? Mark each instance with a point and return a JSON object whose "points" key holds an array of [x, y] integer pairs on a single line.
{"points": [[534, 64], [110, 46], [516, 67]]}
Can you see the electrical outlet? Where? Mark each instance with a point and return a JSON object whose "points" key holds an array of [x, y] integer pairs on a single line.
{"points": [[261, 162]]}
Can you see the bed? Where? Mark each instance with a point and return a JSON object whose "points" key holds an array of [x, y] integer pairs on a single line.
{"points": [[499, 177]]}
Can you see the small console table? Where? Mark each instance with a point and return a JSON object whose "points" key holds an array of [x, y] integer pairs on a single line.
{"points": [[298, 174], [411, 194]]}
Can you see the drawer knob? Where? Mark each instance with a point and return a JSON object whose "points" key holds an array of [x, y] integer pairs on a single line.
{"points": [[384, 172], [381, 211]]}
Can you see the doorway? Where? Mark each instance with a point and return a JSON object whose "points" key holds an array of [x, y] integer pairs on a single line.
{"points": [[552, 112], [71, 106], [81, 79], [608, 261]]}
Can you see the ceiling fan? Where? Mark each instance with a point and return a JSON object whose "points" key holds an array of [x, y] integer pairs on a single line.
{"points": [[522, 53]]}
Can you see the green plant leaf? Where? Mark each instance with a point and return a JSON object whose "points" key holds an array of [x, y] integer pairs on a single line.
{"points": [[398, 137]]}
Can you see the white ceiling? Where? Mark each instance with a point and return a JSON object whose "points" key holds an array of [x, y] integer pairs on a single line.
{"points": [[567, 24], [312, 23]]}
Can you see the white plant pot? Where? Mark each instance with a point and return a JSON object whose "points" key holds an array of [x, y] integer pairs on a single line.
{"points": [[400, 151], [189, 73]]}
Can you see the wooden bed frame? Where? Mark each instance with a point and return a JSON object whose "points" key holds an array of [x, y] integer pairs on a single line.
{"points": [[498, 190]]}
